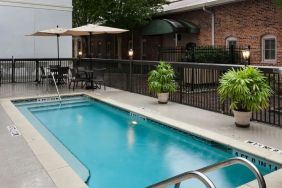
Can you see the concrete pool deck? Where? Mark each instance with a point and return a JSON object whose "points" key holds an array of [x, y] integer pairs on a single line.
{"points": [[215, 123]]}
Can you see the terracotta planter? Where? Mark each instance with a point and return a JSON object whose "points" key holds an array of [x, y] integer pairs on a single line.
{"points": [[163, 98], [242, 119]]}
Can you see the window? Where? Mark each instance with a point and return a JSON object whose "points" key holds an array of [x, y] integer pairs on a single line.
{"points": [[269, 49], [231, 42]]}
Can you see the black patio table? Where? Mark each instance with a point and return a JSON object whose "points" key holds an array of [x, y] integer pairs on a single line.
{"points": [[59, 73], [89, 79]]}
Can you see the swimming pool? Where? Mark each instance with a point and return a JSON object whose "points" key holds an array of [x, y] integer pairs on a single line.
{"points": [[123, 149]]}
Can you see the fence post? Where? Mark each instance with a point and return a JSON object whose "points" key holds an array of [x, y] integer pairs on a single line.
{"points": [[181, 69], [232, 54], [130, 75], [13, 69], [37, 70], [249, 59], [192, 73]]}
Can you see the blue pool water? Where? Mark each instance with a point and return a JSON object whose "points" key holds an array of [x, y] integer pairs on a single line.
{"points": [[122, 155]]}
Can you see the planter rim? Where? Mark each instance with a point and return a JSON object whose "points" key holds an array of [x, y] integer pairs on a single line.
{"points": [[241, 111]]}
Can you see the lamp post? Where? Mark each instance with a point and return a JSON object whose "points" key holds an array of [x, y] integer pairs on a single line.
{"points": [[79, 57], [246, 55], [130, 55]]}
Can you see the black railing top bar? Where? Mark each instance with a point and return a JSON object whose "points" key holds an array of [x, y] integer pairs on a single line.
{"points": [[35, 59], [266, 69]]}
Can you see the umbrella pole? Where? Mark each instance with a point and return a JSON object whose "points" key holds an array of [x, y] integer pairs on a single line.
{"points": [[90, 46], [58, 49]]}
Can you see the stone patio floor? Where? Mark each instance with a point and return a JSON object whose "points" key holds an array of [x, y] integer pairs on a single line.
{"points": [[20, 168]]}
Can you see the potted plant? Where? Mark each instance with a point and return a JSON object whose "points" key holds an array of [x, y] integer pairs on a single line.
{"points": [[161, 80], [248, 90]]}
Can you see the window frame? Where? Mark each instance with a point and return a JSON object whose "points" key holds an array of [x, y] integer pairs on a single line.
{"points": [[228, 39], [264, 38]]}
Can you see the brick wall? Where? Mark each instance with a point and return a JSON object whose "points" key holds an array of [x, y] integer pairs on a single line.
{"points": [[248, 21]]}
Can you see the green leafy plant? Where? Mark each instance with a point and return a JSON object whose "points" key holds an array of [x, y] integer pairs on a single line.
{"points": [[161, 80], [247, 88]]}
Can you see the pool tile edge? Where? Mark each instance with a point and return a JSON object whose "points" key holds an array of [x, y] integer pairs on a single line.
{"points": [[58, 169]]}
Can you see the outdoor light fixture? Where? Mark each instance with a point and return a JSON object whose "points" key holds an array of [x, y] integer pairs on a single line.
{"points": [[130, 53], [80, 53], [246, 55]]}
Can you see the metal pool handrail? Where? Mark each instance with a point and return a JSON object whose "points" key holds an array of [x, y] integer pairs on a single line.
{"points": [[182, 177], [176, 180], [56, 87]]}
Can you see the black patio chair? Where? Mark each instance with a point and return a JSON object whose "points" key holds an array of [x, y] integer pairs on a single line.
{"points": [[77, 77], [44, 76], [99, 77]]}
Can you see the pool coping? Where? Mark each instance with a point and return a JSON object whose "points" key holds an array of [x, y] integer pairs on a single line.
{"points": [[63, 175], [57, 168]]}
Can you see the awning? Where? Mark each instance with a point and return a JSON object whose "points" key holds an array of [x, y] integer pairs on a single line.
{"points": [[167, 26]]}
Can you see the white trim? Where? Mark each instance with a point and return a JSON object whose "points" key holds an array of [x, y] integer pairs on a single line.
{"points": [[188, 5], [271, 61], [212, 25], [26, 4], [228, 39]]}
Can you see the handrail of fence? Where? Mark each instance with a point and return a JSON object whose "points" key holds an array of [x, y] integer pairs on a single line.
{"points": [[268, 69]]}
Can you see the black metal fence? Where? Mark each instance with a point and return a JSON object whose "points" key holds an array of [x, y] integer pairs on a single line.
{"points": [[203, 54], [197, 82], [27, 70]]}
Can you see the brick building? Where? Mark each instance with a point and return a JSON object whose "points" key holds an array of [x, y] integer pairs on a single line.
{"points": [[241, 23]]}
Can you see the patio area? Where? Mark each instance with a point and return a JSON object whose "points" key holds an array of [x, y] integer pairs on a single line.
{"points": [[27, 170]]}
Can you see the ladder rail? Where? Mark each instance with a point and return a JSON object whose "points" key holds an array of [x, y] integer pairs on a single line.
{"points": [[176, 180], [188, 175], [237, 160], [56, 87]]}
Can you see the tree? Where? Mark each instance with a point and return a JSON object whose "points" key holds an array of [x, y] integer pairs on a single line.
{"points": [[278, 3], [128, 14], [86, 11]]}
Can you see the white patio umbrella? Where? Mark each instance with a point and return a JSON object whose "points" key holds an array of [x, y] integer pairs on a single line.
{"points": [[93, 29], [52, 32]]}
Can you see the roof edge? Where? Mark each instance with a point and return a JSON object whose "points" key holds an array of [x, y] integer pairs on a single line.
{"points": [[199, 6]]}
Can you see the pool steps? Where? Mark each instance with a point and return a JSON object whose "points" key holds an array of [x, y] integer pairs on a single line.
{"points": [[33, 102]]}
